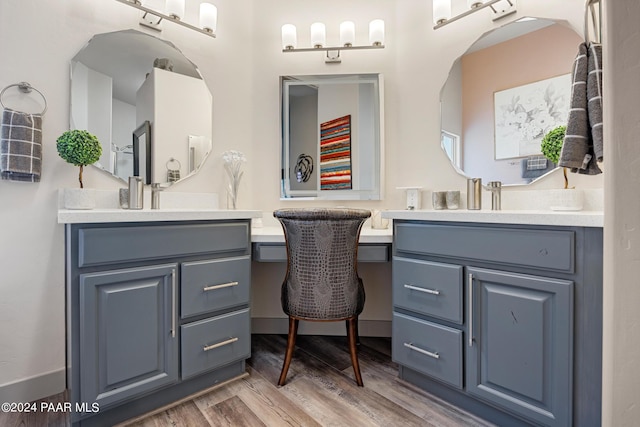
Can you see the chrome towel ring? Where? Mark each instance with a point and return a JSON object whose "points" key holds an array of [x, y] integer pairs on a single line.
{"points": [[24, 87]]}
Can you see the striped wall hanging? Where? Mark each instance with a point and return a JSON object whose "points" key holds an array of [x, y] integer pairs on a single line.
{"points": [[335, 154]]}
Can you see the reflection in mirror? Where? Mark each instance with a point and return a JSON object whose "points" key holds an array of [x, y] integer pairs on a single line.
{"points": [[142, 152], [124, 79], [513, 58], [332, 137]]}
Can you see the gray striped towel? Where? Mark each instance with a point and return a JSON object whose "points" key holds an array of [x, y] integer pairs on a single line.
{"points": [[578, 147], [594, 95], [20, 146], [536, 163], [535, 166]]}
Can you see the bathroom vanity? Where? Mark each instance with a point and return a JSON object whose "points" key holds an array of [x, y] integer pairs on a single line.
{"points": [[157, 307], [500, 313]]}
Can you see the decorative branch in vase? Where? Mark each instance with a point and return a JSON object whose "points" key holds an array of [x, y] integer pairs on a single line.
{"points": [[232, 164]]}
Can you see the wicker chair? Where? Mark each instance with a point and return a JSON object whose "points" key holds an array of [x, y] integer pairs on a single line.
{"points": [[322, 282]]}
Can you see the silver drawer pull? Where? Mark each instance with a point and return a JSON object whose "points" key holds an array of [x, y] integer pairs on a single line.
{"points": [[173, 303], [470, 302], [419, 350], [425, 290], [220, 344], [223, 285]]}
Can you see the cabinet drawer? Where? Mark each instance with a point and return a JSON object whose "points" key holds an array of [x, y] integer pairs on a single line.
{"points": [[542, 249], [214, 284], [215, 342], [430, 288], [427, 347], [106, 245]]}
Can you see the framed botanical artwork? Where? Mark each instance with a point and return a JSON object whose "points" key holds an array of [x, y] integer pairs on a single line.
{"points": [[524, 115], [335, 154]]}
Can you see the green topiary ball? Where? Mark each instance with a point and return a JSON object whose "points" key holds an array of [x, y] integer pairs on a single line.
{"points": [[551, 144], [79, 147]]}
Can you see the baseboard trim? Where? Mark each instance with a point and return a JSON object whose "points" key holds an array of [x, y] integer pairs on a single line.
{"points": [[34, 388], [366, 328]]}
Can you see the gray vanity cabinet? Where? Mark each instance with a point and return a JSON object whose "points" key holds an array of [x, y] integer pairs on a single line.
{"points": [[502, 320], [127, 332], [156, 311]]}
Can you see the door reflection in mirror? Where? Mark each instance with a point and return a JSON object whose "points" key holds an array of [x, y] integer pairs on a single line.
{"points": [[142, 152]]}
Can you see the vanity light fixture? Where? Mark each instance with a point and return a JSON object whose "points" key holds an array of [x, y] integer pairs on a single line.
{"points": [[174, 12], [442, 10], [347, 39]]}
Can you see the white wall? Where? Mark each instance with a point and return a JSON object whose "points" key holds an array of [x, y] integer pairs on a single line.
{"points": [[621, 337], [181, 107], [39, 40], [242, 68]]}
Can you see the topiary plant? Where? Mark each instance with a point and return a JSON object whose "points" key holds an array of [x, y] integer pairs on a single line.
{"points": [[80, 148], [551, 146]]}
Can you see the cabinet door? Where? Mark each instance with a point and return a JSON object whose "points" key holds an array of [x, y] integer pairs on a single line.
{"points": [[519, 343], [128, 342]]}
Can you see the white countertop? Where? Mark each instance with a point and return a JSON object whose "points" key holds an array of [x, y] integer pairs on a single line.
{"points": [[67, 216], [526, 217], [274, 234]]}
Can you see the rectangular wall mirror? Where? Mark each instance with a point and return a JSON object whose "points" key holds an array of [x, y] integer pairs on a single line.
{"points": [[332, 137]]}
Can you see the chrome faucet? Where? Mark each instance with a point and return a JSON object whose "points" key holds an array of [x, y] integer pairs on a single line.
{"points": [[155, 195], [495, 187]]}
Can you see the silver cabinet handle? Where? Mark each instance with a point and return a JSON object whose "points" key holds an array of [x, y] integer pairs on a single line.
{"points": [[173, 303], [220, 344], [470, 280], [419, 350], [223, 285], [425, 290]]}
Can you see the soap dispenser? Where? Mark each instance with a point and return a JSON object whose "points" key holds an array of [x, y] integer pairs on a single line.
{"points": [[136, 192], [474, 193]]}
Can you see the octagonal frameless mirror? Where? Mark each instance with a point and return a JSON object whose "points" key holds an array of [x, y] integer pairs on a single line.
{"points": [[332, 137], [503, 95], [146, 102]]}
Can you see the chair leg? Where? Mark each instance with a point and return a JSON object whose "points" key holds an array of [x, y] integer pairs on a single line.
{"points": [[352, 335], [291, 343], [346, 323]]}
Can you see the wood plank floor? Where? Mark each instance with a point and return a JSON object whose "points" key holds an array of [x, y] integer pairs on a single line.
{"points": [[320, 391]]}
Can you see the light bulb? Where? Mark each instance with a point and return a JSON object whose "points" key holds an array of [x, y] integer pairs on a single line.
{"points": [[208, 17], [289, 36], [376, 32], [175, 9], [441, 11], [347, 33], [318, 34]]}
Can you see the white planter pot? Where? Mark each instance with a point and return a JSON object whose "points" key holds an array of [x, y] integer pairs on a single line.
{"points": [[79, 198], [568, 199]]}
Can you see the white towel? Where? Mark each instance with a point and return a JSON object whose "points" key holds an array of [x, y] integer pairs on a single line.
{"points": [[20, 146]]}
